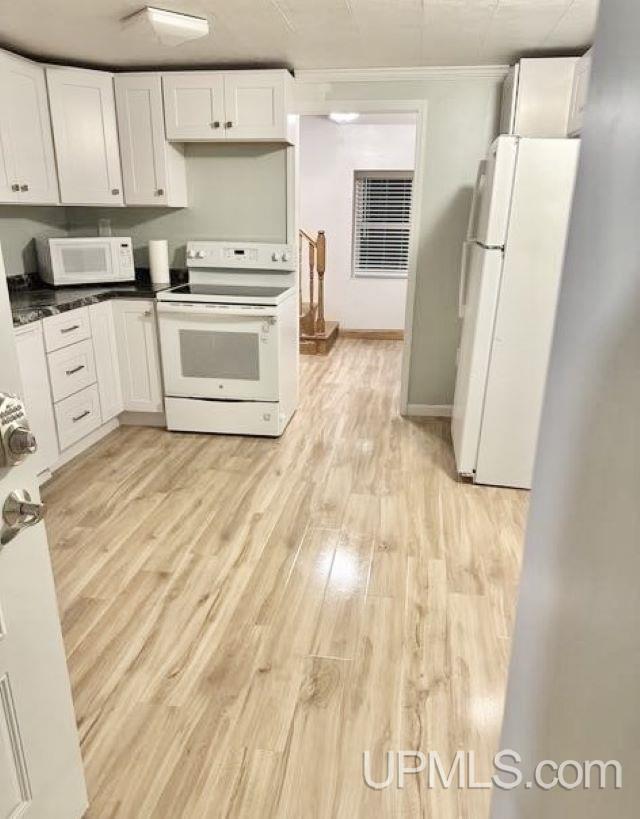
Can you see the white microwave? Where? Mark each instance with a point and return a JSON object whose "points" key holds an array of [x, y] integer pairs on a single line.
{"points": [[85, 260]]}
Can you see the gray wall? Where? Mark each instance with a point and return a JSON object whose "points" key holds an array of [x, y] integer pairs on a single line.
{"points": [[235, 192], [575, 668], [18, 226], [462, 119]]}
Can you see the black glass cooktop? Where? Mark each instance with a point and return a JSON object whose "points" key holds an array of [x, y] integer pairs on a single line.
{"points": [[228, 290]]}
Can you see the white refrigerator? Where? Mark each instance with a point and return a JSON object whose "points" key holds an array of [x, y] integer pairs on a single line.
{"points": [[509, 282]]}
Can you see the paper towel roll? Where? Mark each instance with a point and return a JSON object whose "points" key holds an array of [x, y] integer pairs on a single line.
{"points": [[159, 261]]}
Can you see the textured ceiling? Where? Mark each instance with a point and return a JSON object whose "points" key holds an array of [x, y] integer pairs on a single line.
{"points": [[305, 33]]}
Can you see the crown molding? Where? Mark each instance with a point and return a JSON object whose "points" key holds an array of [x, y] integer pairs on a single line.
{"points": [[418, 74]]}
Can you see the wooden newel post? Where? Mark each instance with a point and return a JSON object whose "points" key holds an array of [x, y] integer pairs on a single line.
{"points": [[312, 259], [321, 258]]}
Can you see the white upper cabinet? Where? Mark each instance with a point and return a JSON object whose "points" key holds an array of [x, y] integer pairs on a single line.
{"points": [[27, 165], [153, 169], [243, 106], [254, 103], [537, 97], [194, 105], [86, 136], [580, 93]]}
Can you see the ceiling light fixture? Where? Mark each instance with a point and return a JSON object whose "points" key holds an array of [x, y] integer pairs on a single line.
{"points": [[343, 118], [172, 28]]}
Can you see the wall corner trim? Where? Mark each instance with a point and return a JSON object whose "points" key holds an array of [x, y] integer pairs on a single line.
{"points": [[417, 74], [429, 410]]}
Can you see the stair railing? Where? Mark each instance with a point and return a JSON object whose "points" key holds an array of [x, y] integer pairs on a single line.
{"points": [[312, 322]]}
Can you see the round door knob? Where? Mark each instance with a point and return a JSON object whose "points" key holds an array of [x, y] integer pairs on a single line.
{"points": [[19, 511], [275, 257], [22, 441], [200, 254], [191, 254], [286, 257]]}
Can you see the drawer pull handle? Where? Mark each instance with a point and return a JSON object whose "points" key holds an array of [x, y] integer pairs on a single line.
{"points": [[75, 370], [81, 416], [70, 329]]}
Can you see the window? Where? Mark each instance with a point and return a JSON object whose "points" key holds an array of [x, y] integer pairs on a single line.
{"points": [[382, 223]]}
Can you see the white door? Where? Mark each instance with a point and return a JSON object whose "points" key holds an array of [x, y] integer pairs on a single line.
{"points": [[217, 351], [142, 141], [37, 395], [106, 357], [26, 132], [41, 772], [480, 301], [494, 200], [194, 105], [255, 105], [83, 115], [138, 355]]}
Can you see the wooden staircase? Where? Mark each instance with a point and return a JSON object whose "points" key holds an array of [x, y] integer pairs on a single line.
{"points": [[317, 336]]}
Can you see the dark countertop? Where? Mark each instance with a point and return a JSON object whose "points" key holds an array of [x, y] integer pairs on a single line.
{"points": [[38, 300]]}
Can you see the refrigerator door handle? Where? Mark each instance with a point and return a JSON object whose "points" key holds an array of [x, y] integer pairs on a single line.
{"points": [[475, 201], [462, 284]]}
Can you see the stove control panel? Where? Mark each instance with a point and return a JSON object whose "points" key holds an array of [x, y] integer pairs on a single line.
{"points": [[255, 256]]}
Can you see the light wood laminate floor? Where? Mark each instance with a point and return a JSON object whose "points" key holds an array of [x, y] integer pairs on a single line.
{"points": [[244, 617]]}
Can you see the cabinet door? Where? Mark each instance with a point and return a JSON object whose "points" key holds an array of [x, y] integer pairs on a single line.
{"points": [[106, 357], [138, 355], [255, 105], [86, 136], [37, 394], [27, 131], [580, 93], [544, 96], [194, 105]]}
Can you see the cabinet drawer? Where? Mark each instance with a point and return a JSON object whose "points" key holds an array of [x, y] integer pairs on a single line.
{"points": [[65, 329], [77, 416], [72, 369]]}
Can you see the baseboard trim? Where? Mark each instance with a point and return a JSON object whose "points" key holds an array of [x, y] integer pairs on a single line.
{"points": [[143, 419], [429, 410], [84, 443], [374, 335]]}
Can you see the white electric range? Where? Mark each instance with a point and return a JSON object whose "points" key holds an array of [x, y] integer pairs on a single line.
{"points": [[229, 340]]}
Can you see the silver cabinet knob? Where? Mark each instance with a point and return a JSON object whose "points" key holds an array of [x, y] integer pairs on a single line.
{"points": [[115, 191], [228, 124], [15, 187], [22, 441], [160, 192], [19, 512], [215, 124], [24, 187]]}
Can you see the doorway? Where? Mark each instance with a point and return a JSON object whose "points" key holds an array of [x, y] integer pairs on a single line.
{"points": [[360, 182]]}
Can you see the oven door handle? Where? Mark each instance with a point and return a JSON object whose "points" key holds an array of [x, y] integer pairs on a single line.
{"points": [[235, 312]]}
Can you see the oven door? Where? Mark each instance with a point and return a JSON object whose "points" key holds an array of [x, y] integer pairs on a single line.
{"points": [[219, 351]]}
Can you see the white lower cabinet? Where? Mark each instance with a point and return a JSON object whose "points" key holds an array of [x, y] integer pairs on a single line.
{"points": [[36, 394], [138, 354], [78, 415], [105, 349]]}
